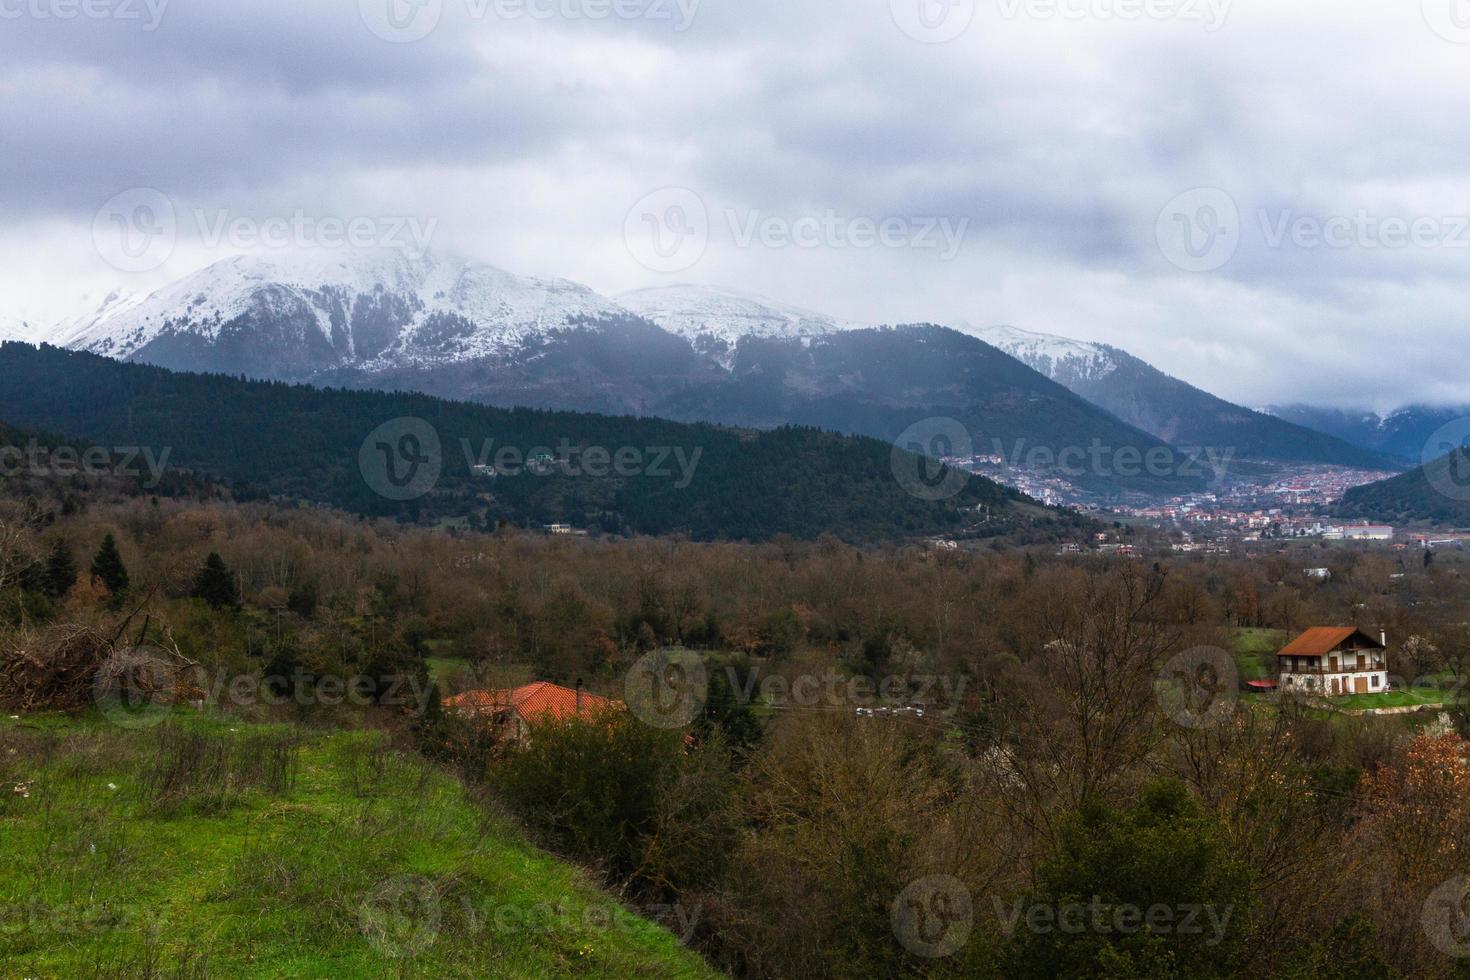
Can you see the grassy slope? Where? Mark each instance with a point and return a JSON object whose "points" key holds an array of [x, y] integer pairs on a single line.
{"points": [[1255, 652], [249, 875], [1403, 698]]}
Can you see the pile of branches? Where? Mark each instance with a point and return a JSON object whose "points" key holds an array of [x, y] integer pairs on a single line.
{"points": [[73, 667]]}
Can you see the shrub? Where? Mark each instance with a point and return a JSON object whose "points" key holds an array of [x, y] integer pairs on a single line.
{"points": [[612, 790], [212, 770], [1167, 852]]}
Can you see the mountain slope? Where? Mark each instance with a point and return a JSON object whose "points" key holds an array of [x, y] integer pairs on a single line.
{"points": [[320, 445], [1403, 434], [715, 320], [293, 316], [322, 872], [16, 330], [790, 363], [1170, 409], [874, 382], [1437, 492], [386, 321], [880, 381]]}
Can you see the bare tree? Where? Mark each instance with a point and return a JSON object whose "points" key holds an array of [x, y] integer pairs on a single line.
{"points": [[1082, 716]]}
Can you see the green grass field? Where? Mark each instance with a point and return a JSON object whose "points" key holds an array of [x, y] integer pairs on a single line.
{"points": [[1411, 697], [1255, 652], [213, 848], [439, 667]]}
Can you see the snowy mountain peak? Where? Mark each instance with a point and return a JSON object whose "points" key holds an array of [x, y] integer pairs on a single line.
{"points": [[346, 306], [1059, 358], [727, 315]]}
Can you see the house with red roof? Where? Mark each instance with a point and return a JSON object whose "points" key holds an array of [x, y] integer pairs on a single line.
{"points": [[517, 709], [1332, 660]]}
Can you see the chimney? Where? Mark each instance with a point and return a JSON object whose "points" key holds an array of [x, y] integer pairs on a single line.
{"points": [[579, 695], [1383, 637]]}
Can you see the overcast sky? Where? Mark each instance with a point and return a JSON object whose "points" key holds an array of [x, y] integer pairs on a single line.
{"points": [[1267, 198]]}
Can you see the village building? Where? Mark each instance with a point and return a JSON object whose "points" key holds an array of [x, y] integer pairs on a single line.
{"points": [[514, 711], [1334, 660]]}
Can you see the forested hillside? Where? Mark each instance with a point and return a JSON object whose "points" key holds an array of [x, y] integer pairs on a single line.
{"points": [[312, 445], [1438, 493]]}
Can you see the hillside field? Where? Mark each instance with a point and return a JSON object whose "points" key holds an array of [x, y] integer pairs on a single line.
{"points": [[206, 847]]}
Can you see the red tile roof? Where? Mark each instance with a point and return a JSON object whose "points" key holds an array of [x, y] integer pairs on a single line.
{"points": [[533, 702], [1321, 640]]}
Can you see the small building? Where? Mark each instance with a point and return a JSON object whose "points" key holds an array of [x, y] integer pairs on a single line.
{"points": [[517, 709], [1333, 660]]}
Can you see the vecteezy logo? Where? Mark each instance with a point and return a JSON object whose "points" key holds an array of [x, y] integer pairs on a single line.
{"points": [[401, 459], [401, 916], [401, 21], [933, 21], [1446, 917], [1199, 230], [933, 916], [667, 688], [1450, 19], [1198, 688], [1446, 459], [136, 230], [917, 454], [668, 230]]}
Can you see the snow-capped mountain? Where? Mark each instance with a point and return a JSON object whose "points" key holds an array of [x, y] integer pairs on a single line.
{"points": [[296, 315], [1174, 410], [73, 330], [16, 330], [460, 329], [1059, 358], [727, 315], [715, 320], [1109, 378]]}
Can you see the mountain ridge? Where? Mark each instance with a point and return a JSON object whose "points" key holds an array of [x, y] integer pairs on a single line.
{"points": [[1404, 433], [386, 320], [1170, 408]]}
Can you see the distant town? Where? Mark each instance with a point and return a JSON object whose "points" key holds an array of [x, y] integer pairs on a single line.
{"points": [[1285, 502]]}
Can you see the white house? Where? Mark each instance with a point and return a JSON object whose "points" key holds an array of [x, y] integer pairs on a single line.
{"points": [[1335, 660]]}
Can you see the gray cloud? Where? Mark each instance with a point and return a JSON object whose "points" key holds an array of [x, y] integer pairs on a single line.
{"points": [[1059, 141]]}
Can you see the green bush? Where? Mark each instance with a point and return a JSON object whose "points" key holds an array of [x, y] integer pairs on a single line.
{"points": [[1167, 853], [630, 797]]}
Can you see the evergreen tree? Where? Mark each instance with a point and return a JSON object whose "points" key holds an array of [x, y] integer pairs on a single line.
{"points": [[726, 711], [215, 584], [61, 571], [108, 567]]}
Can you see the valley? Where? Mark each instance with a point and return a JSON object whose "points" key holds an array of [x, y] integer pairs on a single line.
{"points": [[606, 489]]}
